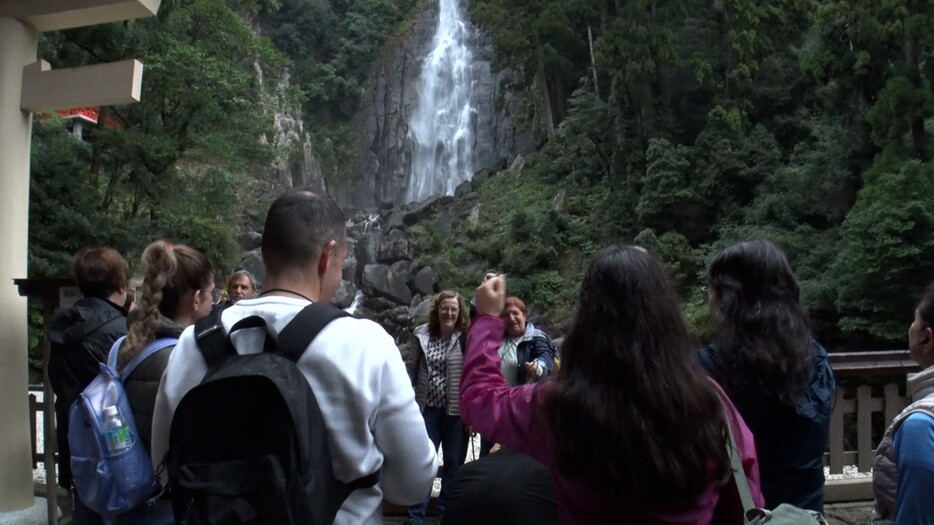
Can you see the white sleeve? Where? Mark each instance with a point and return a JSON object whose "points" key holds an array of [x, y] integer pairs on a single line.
{"points": [[410, 462], [185, 369]]}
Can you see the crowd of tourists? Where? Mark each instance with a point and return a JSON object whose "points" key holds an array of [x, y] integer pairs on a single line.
{"points": [[629, 421]]}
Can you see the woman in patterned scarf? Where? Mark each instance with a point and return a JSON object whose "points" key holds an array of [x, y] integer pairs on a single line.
{"points": [[434, 364]]}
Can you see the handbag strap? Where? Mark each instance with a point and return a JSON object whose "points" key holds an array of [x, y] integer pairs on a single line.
{"points": [[736, 463]]}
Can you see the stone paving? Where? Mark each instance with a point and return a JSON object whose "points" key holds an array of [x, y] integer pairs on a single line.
{"points": [[857, 513]]}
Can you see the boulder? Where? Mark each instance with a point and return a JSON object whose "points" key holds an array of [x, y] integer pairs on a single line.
{"points": [[367, 246], [421, 211], [442, 228], [377, 305], [419, 313], [474, 216], [399, 315], [394, 247], [349, 268], [518, 164], [249, 241], [253, 262], [404, 270], [380, 281], [426, 281], [344, 296]]}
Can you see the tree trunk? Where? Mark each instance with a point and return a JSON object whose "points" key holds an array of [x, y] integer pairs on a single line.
{"points": [[546, 101], [918, 138], [593, 62]]}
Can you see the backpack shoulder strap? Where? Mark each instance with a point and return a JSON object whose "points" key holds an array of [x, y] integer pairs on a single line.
{"points": [[304, 327], [114, 351], [212, 339], [214, 342], [145, 353]]}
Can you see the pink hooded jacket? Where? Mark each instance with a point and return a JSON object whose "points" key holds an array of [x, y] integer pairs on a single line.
{"points": [[507, 416]]}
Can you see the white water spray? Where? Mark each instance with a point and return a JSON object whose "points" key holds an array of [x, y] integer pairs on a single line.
{"points": [[440, 128]]}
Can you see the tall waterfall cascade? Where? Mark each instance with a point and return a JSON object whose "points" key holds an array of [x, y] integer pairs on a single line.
{"points": [[442, 125]]}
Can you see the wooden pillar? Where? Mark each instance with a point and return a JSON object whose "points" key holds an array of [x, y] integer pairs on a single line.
{"points": [[17, 48]]}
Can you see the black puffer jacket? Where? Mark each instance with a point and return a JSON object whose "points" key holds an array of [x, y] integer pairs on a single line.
{"points": [[80, 338], [143, 384]]}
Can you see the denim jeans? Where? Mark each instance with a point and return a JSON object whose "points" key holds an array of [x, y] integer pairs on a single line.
{"points": [[448, 431]]}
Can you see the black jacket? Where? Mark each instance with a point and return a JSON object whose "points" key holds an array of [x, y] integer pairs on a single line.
{"points": [[143, 384], [790, 440], [80, 338]]}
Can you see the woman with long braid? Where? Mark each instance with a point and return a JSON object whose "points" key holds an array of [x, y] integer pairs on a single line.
{"points": [[176, 291]]}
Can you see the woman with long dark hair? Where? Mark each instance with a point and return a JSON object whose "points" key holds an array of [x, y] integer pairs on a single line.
{"points": [[778, 376], [629, 427]]}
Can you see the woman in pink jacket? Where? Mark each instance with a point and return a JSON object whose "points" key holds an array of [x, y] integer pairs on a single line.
{"points": [[630, 428]]}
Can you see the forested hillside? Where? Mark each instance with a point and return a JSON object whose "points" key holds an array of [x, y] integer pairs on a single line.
{"points": [[688, 125], [680, 125]]}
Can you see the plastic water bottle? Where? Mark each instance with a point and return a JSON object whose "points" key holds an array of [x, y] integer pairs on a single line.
{"points": [[118, 440]]}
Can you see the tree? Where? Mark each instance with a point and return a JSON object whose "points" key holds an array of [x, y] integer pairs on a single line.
{"points": [[886, 249]]}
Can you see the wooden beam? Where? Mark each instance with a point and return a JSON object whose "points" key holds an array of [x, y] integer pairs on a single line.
{"points": [[51, 15], [45, 89]]}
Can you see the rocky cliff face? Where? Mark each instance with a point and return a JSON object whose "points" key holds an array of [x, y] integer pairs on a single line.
{"points": [[295, 165], [385, 151]]}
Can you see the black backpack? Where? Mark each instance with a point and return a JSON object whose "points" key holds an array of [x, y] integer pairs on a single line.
{"points": [[248, 445]]}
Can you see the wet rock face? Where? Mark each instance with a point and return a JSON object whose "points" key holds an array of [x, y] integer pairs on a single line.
{"points": [[295, 164], [384, 160], [382, 277]]}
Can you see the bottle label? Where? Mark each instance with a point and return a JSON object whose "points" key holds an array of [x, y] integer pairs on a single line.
{"points": [[117, 440]]}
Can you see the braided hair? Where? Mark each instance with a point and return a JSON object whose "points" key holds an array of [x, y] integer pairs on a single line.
{"points": [[169, 272]]}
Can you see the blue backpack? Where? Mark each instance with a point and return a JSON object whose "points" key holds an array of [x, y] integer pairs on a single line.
{"points": [[111, 484]]}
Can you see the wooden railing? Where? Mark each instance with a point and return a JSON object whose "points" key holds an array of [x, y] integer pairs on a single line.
{"points": [[858, 375]]}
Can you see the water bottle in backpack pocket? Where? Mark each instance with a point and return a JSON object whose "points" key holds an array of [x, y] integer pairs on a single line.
{"points": [[111, 467]]}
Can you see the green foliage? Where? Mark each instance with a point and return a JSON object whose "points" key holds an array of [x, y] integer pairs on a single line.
{"points": [[692, 125], [714, 122], [333, 44], [887, 246]]}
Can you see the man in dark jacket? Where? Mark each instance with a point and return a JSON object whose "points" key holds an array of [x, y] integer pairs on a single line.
{"points": [[81, 337]]}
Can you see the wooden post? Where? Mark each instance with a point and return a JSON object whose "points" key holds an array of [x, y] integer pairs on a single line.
{"points": [[25, 87], [893, 403], [864, 453], [836, 433]]}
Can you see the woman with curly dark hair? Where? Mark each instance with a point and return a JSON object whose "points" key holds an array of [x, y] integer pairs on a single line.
{"points": [[778, 376], [629, 427]]}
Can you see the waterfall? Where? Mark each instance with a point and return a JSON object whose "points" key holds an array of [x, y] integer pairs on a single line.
{"points": [[355, 305], [441, 129]]}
